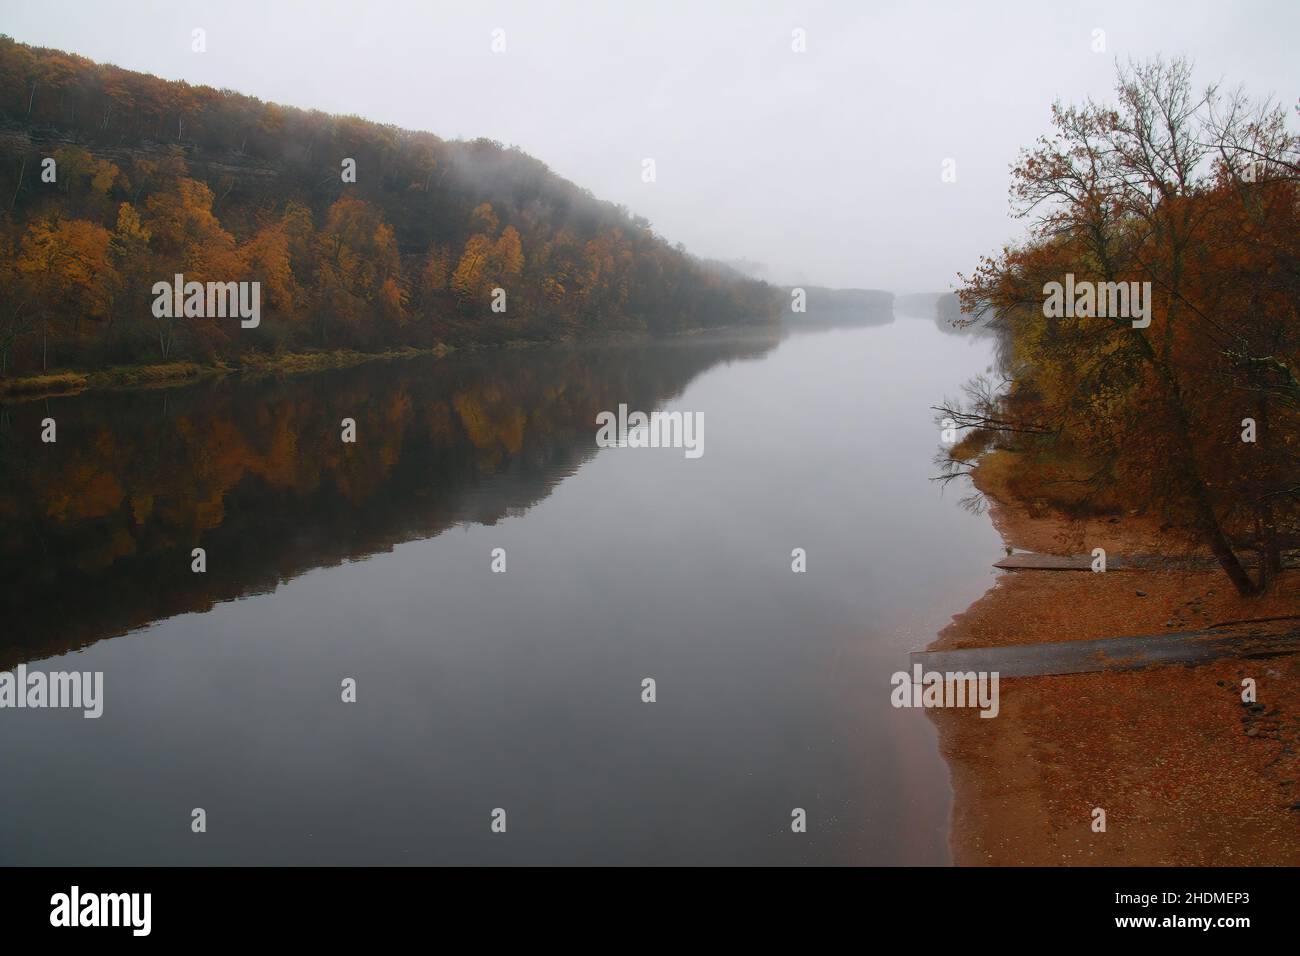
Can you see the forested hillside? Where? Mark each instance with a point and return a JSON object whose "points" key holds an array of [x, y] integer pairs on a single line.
{"points": [[152, 178]]}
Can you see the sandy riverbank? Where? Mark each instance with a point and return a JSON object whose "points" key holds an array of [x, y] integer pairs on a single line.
{"points": [[1186, 773]]}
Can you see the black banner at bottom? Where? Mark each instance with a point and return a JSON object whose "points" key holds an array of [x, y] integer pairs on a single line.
{"points": [[931, 905]]}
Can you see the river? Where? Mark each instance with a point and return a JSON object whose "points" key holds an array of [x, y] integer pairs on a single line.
{"points": [[478, 690]]}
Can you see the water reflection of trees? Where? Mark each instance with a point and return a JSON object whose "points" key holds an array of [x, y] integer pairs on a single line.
{"points": [[96, 530]]}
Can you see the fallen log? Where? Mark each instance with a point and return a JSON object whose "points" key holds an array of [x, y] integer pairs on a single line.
{"points": [[1115, 653]]}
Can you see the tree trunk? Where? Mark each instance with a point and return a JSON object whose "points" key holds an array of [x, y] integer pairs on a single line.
{"points": [[1207, 521], [1202, 504], [1270, 555], [21, 171]]}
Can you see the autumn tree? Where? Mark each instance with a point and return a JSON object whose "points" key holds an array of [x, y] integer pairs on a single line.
{"points": [[1131, 194], [68, 274], [129, 248], [358, 267], [16, 312]]}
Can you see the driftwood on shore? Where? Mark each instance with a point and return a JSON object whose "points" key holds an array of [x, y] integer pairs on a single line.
{"points": [[1029, 561], [1252, 641]]}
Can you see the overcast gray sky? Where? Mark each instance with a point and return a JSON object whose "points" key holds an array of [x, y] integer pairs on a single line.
{"points": [[824, 165]]}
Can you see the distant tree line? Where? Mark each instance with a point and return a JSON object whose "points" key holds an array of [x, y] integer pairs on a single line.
{"points": [[819, 305]]}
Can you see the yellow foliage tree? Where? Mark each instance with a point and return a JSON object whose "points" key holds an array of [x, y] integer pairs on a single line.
{"points": [[68, 272]]}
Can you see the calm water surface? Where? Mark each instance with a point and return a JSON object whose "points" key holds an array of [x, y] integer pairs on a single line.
{"points": [[479, 690]]}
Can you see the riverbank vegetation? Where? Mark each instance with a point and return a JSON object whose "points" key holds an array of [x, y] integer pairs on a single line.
{"points": [[1190, 407]]}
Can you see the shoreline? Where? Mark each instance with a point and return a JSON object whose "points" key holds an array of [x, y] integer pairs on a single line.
{"points": [[173, 374], [1187, 773], [66, 382]]}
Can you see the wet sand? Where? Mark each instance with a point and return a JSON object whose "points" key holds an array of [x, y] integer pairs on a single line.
{"points": [[1186, 773]]}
